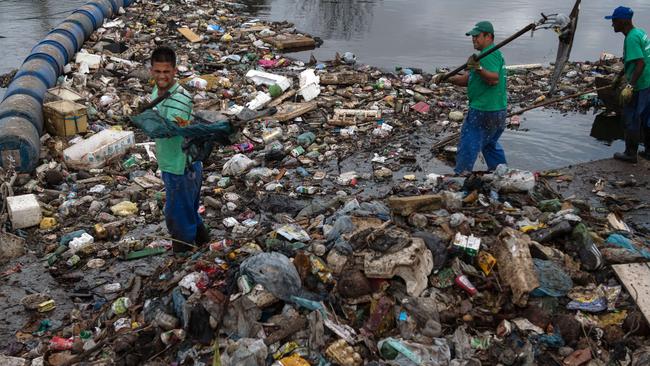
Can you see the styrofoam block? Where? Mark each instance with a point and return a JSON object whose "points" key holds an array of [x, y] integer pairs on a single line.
{"points": [[24, 211], [94, 151]]}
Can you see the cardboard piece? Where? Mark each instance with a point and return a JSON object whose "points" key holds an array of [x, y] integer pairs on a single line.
{"points": [[636, 279], [189, 35], [289, 111], [291, 41], [65, 118]]}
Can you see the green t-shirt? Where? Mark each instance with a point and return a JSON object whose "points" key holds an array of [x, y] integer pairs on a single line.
{"points": [[169, 151], [637, 46], [483, 96]]}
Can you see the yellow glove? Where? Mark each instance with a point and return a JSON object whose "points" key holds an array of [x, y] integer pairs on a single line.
{"points": [[473, 63], [626, 95]]}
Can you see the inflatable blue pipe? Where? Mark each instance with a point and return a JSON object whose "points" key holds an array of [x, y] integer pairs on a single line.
{"points": [[21, 110]]}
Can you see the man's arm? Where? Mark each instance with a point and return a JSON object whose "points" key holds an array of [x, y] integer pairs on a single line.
{"points": [[489, 71], [460, 80], [492, 78], [638, 71]]}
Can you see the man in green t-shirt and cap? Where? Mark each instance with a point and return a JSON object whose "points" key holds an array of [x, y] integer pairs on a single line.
{"points": [[182, 177], [635, 96], [488, 100]]}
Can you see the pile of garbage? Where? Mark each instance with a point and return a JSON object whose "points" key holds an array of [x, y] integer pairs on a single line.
{"points": [[303, 268]]}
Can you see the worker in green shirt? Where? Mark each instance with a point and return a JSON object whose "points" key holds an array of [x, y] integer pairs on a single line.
{"points": [[635, 96], [488, 100], [182, 178]]}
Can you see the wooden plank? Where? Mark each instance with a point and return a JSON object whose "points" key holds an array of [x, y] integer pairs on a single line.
{"points": [[350, 117], [282, 98], [290, 41], [254, 28], [288, 111], [189, 35], [343, 78], [636, 279]]}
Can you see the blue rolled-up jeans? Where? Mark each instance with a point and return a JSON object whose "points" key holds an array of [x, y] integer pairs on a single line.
{"points": [[637, 113], [480, 133], [182, 202]]}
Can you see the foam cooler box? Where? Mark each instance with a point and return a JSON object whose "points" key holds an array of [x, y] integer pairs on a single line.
{"points": [[24, 211], [97, 150]]}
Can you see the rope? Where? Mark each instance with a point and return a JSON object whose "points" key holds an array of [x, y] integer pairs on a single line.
{"points": [[5, 191], [48, 15]]}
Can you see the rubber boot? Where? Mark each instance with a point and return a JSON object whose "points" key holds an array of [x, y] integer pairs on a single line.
{"points": [[202, 235], [646, 142], [631, 149], [180, 247]]}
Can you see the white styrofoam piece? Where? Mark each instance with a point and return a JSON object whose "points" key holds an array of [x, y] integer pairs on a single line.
{"points": [[24, 211], [308, 77], [94, 151], [266, 78], [309, 91], [93, 61], [261, 99]]}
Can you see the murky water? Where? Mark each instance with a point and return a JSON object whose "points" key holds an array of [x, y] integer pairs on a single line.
{"points": [[425, 34], [428, 34]]}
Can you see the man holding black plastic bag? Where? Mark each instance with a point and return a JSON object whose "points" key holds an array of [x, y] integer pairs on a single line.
{"points": [[181, 176]]}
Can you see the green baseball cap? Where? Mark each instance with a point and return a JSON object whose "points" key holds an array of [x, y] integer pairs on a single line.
{"points": [[481, 27]]}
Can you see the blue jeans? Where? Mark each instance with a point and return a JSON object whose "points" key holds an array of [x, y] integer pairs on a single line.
{"points": [[637, 113], [480, 133], [182, 203]]}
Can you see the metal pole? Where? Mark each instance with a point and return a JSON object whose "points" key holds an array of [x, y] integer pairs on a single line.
{"points": [[529, 27]]}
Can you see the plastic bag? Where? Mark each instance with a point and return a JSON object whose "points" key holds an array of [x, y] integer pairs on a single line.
{"points": [[237, 165], [125, 208], [552, 278], [275, 272], [342, 225], [405, 353], [245, 352], [437, 246], [513, 180]]}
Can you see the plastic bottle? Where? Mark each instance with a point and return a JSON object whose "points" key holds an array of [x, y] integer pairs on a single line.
{"points": [[165, 321], [244, 147], [306, 190], [463, 282], [272, 135]]}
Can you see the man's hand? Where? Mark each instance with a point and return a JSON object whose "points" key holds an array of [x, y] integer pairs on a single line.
{"points": [[181, 121], [237, 123], [439, 78], [626, 95], [473, 63]]}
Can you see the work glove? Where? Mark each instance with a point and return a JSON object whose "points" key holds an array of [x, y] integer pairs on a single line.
{"points": [[626, 95], [473, 63], [438, 78]]}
